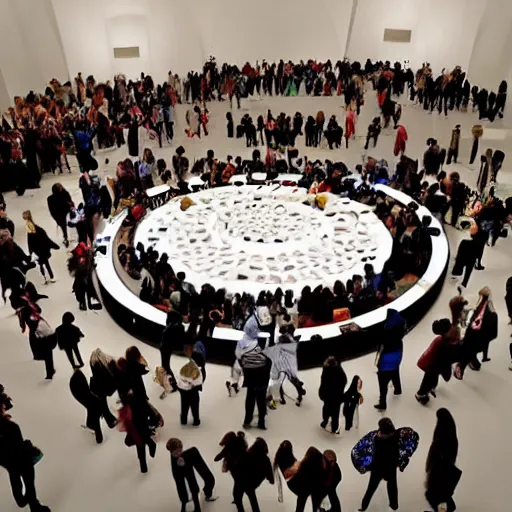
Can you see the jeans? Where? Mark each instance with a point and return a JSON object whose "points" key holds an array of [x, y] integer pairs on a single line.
{"points": [[255, 397], [190, 401], [74, 350], [385, 377], [375, 478], [331, 410], [45, 263], [239, 490]]}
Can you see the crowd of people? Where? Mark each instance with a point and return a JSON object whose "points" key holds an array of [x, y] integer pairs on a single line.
{"points": [[40, 131]]}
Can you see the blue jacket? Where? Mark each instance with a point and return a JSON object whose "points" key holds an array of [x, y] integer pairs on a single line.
{"points": [[392, 349]]}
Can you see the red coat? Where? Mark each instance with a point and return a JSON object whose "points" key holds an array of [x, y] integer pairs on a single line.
{"points": [[350, 124], [430, 360], [401, 139]]}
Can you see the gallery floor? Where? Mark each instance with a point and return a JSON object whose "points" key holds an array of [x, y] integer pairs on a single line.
{"points": [[77, 475]]}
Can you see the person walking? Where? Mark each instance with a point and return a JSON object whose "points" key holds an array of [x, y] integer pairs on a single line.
{"points": [[190, 382], [68, 337], [384, 464], [60, 205], [437, 359], [184, 465], [81, 392], [389, 357], [333, 478], [135, 419], [41, 336], [443, 475], [332, 393], [18, 457], [482, 329], [39, 245]]}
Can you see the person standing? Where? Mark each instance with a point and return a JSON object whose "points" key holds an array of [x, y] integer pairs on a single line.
{"points": [[389, 357], [81, 392], [17, 457], [59, 205], [256, 368], [332, 392], [384, 464], [189, 383], [453, 150], [442, 474], [40, 245], [353, 399], [184, 464], [172, 339], [333, 478], [68, 337]]}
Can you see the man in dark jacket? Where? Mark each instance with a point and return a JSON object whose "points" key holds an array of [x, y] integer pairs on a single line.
{"points": [[16, 458], [60, 204], [172, 339], [184, 464]]}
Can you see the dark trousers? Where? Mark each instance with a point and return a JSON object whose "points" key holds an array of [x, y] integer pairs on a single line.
{"points": [[141, 453], [331, 410], [63, 225], [24, 477], [302, 499], [467, 268], [165, 354], [385, 377], [70, 350], [93, 422], [434, 502], [375, 479], [48, 363], [189, 401], [255, 397], [45, 264], [452, 154], [429, 383], [239, 490], [110, 419]]}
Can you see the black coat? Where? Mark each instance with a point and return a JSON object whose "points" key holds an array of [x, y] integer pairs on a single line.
{"points": [[81, 392], [40, 244], [332, 384], [59, 205]]}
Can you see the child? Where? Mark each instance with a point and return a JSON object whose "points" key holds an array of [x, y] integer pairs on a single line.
{"points": [[353, 399], [230, 125], [164, 173], [68, 337]]}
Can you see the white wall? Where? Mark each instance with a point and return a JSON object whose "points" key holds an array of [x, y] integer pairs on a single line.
{"points": [[442, 31], [181, 34]]}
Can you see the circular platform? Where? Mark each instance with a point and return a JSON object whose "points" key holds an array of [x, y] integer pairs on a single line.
{"points": [[252, 238]]}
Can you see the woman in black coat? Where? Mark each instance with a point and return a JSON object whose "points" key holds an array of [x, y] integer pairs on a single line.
{"points": [[81, 392], [40, 244], [332, 392], [137, 367], [60, 204], [442, 473]]}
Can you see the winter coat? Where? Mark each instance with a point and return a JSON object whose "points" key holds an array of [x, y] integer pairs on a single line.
{"points": [[59, 205], [40, 244], [332, 384]]}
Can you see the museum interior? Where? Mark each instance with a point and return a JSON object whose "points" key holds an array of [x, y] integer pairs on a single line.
{"points": [[268, 241]]}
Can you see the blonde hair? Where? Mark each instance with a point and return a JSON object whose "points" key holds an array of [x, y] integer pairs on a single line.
{"points": [[30, 226]]}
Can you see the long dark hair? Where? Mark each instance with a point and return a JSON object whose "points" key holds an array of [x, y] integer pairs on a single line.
{"points": [[445, 444], [284, 457]]}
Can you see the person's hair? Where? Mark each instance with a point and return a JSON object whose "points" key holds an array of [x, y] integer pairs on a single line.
{"points": [[160, 164], [148, 156], [68, 318], [180, 150], [444, 443], [27, 215], [173, 444], [386, 426], [331, 361], [181, 276], [284, 457], [56, 188], [441, 327], [259, 446], [210, 154], [320, 117], [133, 354]]}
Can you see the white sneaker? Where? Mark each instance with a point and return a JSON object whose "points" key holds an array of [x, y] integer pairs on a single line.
{"points": [[53, 280]]}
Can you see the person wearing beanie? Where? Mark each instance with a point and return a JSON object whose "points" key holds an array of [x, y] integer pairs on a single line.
{"points": [[184, 465]]}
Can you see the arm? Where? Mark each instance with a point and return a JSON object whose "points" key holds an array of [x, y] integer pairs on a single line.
{"points": [[269, 472]]}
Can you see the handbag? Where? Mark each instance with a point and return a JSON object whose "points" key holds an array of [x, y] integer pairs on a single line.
{"points": [[43, 329], [33, 452]]}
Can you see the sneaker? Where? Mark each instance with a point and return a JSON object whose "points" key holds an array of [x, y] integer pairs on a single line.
{"points": [[486, 359], [246, 425], [272, 405], [262, 426], [228, 387], [423, 400], [212, 497], [53, 280], [324, 423], [380, 407], [196, 423], [236, 388]]}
